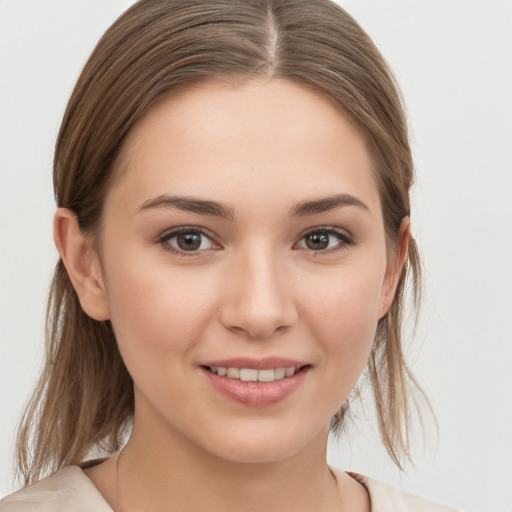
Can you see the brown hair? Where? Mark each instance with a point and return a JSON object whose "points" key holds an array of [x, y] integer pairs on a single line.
{"points": [[84, 398]]}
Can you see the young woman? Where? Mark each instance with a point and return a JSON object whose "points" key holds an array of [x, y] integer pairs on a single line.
{"points": [[233, 182]]}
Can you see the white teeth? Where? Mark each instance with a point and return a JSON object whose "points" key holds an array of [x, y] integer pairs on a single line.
{"points": [[266, 375], [279, 373], [251, 375], [290, 371], [248, 375], [233, 373]]}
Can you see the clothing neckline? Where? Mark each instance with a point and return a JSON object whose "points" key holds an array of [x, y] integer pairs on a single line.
{"points": [[361, 479]]}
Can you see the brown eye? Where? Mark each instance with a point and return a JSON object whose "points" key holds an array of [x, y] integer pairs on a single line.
{"points": [[325, 240], [317, 241], [187, 240]]}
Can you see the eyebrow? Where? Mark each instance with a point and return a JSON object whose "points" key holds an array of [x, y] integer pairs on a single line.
{"points": [[213, 208], [188, 204], [326, 204]]}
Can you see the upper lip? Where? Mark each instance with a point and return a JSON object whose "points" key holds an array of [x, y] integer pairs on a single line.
{"points": [[265, 363]]}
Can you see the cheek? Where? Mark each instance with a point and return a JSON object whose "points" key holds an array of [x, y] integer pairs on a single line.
{"points": [[345, 302], [343, 319], [158, 312]]}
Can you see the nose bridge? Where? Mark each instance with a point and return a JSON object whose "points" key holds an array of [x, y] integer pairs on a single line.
{"points": [[258, 294]]}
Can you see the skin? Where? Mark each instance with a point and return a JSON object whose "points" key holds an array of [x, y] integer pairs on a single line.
{"points": [[253, 289]]}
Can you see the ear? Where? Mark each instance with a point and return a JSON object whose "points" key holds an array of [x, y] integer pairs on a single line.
{"points": [[395, 265], [82, 263]]}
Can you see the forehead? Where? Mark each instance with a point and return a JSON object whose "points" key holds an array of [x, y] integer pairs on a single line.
{"points": [[275, 138]]}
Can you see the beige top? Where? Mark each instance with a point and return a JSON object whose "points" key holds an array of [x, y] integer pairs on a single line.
{"points": [[69, 490]]}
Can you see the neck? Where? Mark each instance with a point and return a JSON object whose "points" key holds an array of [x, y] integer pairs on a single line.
{"points": [[154, 471]]}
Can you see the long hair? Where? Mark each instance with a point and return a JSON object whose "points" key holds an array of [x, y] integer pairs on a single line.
{"points": [[84, 399]]}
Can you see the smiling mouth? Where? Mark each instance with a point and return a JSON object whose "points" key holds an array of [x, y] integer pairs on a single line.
{"points": [[272, 381], [253, 375]]}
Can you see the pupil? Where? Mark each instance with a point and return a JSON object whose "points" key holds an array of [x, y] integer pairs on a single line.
{"points": [[317, 241], [189, 241]]}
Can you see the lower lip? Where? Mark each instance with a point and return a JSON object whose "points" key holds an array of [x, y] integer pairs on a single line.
{"points": [[256, 393]]}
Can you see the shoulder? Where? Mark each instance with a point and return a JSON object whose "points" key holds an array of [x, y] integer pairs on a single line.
{"points": [[385, 498], [68, 489]]}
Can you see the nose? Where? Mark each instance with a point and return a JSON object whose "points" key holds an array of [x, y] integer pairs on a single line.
{"points": [[258, 299]]}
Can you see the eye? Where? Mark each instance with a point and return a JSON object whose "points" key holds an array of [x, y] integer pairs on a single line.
{"points": [[187, 240], [325, 240]]}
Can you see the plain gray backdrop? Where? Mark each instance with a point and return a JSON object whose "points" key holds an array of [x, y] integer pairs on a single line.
{"points": [[453, 60]]}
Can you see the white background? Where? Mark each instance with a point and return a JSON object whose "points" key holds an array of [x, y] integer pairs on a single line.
{"points": [[453, 60]]}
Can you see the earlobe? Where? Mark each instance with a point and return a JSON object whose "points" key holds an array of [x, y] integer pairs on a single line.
{"points": [[395, 266], [82, 264]]}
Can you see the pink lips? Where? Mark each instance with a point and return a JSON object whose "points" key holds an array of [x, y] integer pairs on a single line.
{"points": [[257, 364], [256, 393]]}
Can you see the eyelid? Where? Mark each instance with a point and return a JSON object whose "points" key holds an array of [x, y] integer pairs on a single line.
{"points": [[167, 235], [344, 236]]}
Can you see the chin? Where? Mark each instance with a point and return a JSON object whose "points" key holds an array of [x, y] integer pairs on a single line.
{"points": [[253, 453], [264, 443]]}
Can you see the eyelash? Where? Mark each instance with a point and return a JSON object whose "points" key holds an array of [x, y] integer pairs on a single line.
{"points": [[174, 233], [344, 240]]}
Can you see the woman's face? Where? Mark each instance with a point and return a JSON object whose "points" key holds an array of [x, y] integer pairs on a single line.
{"points": [[244, 235]]}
